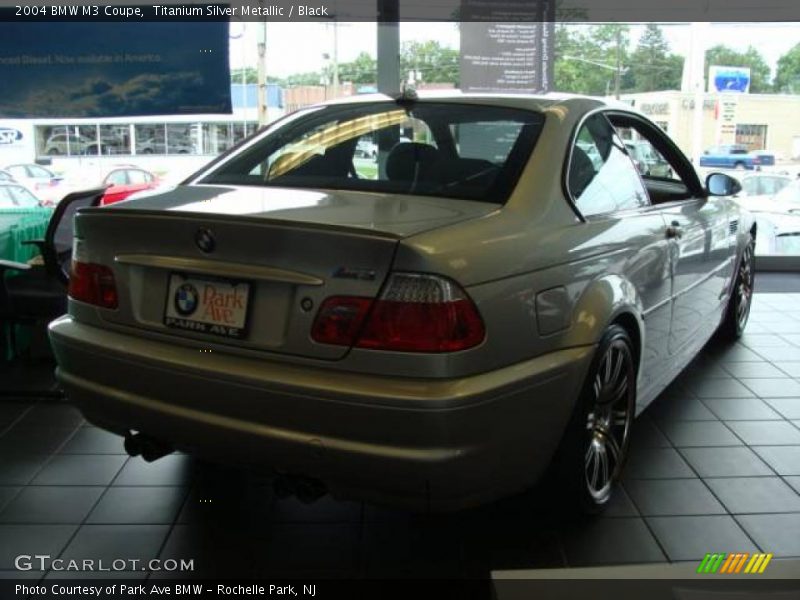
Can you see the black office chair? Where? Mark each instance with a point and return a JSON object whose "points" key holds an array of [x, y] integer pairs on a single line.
{"points": [[40, 292]]}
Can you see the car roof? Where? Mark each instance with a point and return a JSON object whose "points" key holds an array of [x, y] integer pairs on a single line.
{"points": [[527, 101]]}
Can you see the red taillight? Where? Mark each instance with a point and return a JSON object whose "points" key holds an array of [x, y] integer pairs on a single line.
{"points": [[339, 320], [415, 313], [93, 284]]}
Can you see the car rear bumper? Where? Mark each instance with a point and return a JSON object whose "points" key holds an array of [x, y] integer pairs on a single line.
{"points": [[421, 443]]}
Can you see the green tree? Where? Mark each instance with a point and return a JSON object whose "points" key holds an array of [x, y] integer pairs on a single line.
{"points": [[787, 74], [364, 69], [586, 57], [724, 56], [434, 62], [652, 66], [251, 76]]}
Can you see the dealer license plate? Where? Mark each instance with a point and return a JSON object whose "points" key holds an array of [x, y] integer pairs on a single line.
{"points": [[212, 306]]}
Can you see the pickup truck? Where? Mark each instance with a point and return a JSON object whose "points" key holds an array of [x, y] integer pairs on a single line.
{"points": [[735, 156]]}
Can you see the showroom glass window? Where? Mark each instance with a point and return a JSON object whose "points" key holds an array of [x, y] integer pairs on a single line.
{"points": [[453, 150], [602, 177]]}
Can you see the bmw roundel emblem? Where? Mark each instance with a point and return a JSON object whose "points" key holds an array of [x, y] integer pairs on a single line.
{"points": [[205, 240], [186, 299]]}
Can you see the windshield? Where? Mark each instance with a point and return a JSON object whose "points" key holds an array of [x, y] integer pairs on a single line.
{"points": [[437, 149]]}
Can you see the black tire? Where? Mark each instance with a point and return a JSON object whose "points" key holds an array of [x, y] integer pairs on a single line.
{"points": [[738, 310], [739, 166], [593, 450]]}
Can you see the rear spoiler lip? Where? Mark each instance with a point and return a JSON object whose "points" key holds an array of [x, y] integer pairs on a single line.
{"points": [[203, 217]]}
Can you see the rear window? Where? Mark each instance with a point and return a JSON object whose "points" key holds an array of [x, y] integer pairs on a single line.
{"points": [[433, 149]]}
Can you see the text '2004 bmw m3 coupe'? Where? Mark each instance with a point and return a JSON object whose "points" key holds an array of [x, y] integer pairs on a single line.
{"points": [[496, 290]]}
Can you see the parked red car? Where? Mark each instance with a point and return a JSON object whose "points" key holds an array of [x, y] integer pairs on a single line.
{"points": [[124, 181]]}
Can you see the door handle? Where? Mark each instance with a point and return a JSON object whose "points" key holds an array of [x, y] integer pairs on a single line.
{"points": [[674, 230]]}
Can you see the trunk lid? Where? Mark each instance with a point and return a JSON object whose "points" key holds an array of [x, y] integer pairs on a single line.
{"points": [[251, 266]]}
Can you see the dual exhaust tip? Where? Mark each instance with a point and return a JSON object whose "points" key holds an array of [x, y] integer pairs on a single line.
{"points": [[150, 449], [306, 489]]}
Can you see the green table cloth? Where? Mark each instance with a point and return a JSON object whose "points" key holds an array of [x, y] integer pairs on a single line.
{"points": [[18, 225]]}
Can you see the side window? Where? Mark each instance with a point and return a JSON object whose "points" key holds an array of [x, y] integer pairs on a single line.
{"points": [[136, 176], [117, 178], [36, 171], [750, 186], [601, 177], [6, 201]]}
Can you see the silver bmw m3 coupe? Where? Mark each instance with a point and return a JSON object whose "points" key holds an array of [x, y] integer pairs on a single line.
{"points": [[495, 291]]}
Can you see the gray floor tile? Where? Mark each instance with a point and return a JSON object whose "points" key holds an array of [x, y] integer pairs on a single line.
{"points": [[153, 505], [790, 368], [779, 534], [611, 541], [745, 370], [754, 342], [80, 469], [766, 433], [11, 411], [34, 440], [93, 440], [721, 388], [773, 388], [700, 433], [109, 542], [741, 409], [782, 354], [174, 470], [690, 538], [663, 497], [737, 461], [656, 463], [645, 434], [32, 540], [620, 505], [785, 460], [788, 407], [7, 493], [19, 469], [680, 409], [742, 495], [51, 504], [737, 353], [52, 414]]}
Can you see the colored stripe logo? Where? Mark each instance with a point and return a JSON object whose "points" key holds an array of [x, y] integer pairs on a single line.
{"points": [[735, 562]]}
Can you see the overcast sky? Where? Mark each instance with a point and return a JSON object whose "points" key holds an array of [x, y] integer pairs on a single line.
{"points": [[298, 47]]}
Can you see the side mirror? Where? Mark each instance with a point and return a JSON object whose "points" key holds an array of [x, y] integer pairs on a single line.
{"points": [[720, 184]]}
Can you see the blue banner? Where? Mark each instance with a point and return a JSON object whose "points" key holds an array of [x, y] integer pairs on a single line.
{"points": [[58, 70]]}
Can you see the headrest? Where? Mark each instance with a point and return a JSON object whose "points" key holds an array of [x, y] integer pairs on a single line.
{"points": [[408, 161]]}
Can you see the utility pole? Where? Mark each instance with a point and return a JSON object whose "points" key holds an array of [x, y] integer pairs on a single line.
{"points": [[262, 73], [335, 58], [618, 75]]}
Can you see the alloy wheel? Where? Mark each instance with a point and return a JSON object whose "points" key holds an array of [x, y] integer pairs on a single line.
{"points": [[609, 419], [744, 288]]}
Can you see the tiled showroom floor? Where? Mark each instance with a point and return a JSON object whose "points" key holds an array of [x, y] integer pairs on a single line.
{"points": [[715, 466]]}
